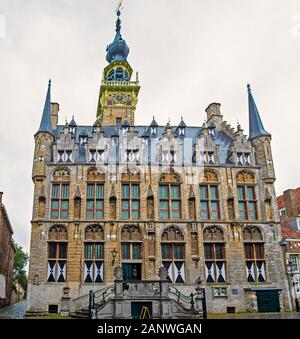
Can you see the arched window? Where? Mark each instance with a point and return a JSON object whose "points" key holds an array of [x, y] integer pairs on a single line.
{"points": [[57, 254], [94, 254], [246, 196], [60, 194], [170, 196], [215, 255], [130, 195], [95, 194], [173, 254], [118, 74], [254, 254], [131, 252], [209, 196]]}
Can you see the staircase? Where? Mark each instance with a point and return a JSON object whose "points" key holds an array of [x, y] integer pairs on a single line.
{"points": [[101, 298]]}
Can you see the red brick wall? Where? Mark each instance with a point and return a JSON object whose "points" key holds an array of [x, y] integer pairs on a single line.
{"points": [[290, 200], [6, 257]]}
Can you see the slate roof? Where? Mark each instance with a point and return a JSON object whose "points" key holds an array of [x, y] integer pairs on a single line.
{"points": [[221, 138]]}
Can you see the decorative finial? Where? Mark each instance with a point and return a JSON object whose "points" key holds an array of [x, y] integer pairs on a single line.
{"points": [[118, 11], [49, 82], [249, 87]]}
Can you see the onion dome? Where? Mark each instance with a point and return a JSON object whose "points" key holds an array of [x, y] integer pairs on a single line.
{"points": [[118, 49]]}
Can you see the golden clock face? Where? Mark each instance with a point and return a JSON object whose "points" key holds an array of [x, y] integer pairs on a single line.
{"points": [[120, 98]]}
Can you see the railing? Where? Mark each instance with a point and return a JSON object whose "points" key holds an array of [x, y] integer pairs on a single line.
{"points": [[187, 302], [101, 298], [98, 300], [120, 83]]}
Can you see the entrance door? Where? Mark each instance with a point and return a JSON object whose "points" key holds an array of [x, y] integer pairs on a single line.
{"points": [[132, 272], [141, 310], [268, 301]]}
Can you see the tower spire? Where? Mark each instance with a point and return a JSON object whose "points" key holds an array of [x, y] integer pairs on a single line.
{"points": [[118, 49], [256, 127], [46, 125]]}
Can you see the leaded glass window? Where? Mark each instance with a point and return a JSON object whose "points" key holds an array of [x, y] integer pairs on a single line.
{"points": [[209, 202], [130, 205], [94, 255], [95, 201], [173, 254], [60, 201], [247, 202], [169, 202]]}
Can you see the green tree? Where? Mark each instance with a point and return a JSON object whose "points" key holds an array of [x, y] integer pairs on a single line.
{"points": [[20, 263]]}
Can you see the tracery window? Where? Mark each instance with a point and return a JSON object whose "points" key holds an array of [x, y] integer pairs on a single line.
{"points": [[173, 254], [60, 194], [247, 196], [254, 254], [209, 196], [170, 196], [95, 194], [215, 255], [131, 243], [94, 255], [130, 208], [57, 254]]}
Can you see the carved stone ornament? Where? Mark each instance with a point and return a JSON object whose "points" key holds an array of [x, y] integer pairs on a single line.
{"points": [[209, 176], [118, 273], [245, 178], [163, 273]]}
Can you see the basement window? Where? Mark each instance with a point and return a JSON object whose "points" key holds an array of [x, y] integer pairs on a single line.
{"points": [[53, 309]]}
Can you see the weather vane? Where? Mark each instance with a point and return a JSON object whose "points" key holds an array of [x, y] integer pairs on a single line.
{"points": [[120, 6]]}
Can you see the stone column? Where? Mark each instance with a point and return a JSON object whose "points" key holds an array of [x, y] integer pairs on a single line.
{"points": [[65, 302]]}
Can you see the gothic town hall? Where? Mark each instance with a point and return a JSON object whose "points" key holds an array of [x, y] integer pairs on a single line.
{"points": [[165, 210]]}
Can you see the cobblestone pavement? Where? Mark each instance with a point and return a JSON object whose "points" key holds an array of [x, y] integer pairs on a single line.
{"points": [[15, 311], [290, 315]]}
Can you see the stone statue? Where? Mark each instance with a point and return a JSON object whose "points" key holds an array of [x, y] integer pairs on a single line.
{"points": [[163, 273], [118, 273]]}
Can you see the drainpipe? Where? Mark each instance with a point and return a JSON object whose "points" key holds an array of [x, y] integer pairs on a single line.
{"points": [[283, 244]]}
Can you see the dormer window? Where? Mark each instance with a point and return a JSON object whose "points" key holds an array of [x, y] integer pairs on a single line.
{"points": [[243, 159], [173, 157], [153, 130], [133, 155], [211, 157], [65, 156], [83, 140], [240, 160], [96, 156], [212, 131], [247, 159], [72, 130], [181, 132], [207, 157], [169, 157]]}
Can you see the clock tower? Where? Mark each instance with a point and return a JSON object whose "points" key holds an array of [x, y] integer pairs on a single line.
{"points": [[118, 96]]}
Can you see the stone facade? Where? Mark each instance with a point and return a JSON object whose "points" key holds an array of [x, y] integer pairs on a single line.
{"points": [[199, 201], [7, 253]]}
